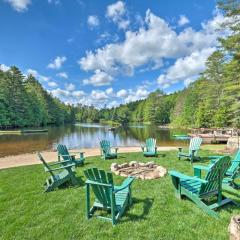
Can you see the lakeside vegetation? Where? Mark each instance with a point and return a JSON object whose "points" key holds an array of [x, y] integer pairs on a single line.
{"points": [[213, 100]]}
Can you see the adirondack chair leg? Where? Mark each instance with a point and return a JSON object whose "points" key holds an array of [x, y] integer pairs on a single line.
{"points": [[176, 184], [113, 208], [88, 201], [130, 195], [204, 207]]}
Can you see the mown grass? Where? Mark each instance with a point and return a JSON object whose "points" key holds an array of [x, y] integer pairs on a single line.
{"points": [[28, 213]]}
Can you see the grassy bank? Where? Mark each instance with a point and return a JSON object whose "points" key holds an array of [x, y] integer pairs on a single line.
{"points": [[28, 213]]}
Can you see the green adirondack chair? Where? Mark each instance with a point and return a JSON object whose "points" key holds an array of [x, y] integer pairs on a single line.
{"points": [[63, 154], [199, 190], [149, 149], [233, 171], [64, 174], [194, 146], [106, 151], [107, 196]]}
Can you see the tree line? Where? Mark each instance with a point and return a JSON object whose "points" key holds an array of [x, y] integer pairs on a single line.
{"points": [[24, 102]]}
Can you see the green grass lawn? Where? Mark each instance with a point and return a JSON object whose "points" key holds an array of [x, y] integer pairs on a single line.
{"points": [[26, 212]]}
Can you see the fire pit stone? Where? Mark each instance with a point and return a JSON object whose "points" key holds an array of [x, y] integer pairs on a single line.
{"points": [[144, 171]]}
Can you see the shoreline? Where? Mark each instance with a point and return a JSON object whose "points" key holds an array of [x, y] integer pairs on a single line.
{"points": [[28, 159]]}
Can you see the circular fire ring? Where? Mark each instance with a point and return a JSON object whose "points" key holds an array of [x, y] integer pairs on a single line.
{"points": [[144, 171]]}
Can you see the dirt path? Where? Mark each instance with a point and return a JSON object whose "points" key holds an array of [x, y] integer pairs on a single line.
{"points": [[50, 156]]}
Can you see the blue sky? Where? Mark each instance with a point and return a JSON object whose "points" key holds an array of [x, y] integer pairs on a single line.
{"points": [[108, 52]]}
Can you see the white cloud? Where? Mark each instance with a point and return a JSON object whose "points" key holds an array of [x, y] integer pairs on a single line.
{"points": [[93, 21], [4, 67], [57, 63], [56, 2], [19, 5], [98, 95], [37, 75], [143, 48], [183, 20], [185, 69], [70, 87], [60, 93], [130, 95], [62, 75], [116, 12], [52, 84], [122, 93], [100, 78], [109, 91], [78, 94]]}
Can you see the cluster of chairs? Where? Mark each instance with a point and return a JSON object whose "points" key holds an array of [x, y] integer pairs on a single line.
{"points": [[221, 172]]}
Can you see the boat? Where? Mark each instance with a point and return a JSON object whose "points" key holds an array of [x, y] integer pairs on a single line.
{"points": [[34, 130], [26, 131], [181, 137]]}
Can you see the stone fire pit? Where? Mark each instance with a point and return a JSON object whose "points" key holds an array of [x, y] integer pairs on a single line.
{"points": [[139, 170]]}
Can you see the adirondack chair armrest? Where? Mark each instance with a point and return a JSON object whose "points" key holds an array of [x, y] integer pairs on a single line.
{"points": [[200, 167], [126, 183], [76, 152], [59, 162], [59, 168], [143, 147], [193, 151], [116, 149], [71, 155], [198, 170], [185, 177]]}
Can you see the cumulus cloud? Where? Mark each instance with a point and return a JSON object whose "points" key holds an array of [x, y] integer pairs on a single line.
{"points": [[100, 78], [19, 5], [70, 87], [4, 67], [109, 91], [52, 84], [186, 68], [143, 48], [116, 12], [62, 75], [183, 20], [122, 93], [129, 95], [78, 94], [93, 21], [37, 75], [57, 63]]}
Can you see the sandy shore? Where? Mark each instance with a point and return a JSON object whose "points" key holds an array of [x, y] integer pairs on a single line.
{"points": [[50, 156]]}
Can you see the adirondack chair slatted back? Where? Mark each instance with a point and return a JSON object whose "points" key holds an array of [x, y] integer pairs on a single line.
{"points": [[102, 192], [235, 165], [150, 144], [195, 144], [215, 175], [46, 166], [105, 146], [63, 151]]}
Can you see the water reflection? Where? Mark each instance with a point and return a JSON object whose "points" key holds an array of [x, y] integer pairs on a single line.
{"points": [[86, 135]]}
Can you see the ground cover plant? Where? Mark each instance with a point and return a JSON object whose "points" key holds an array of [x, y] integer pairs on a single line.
{"points": [[26, 212]]}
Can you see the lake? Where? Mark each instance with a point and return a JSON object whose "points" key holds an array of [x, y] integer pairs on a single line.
{"points": [[86, 136]]}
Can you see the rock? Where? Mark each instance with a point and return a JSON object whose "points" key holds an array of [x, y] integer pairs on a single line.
{"points": [[233, 142], [162, 171], [132, 163], [124, 165], [234, 228], [114, 167], [141, 164]]}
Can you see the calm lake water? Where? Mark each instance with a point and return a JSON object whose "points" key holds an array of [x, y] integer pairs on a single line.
{"points": [[86, 135]]}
